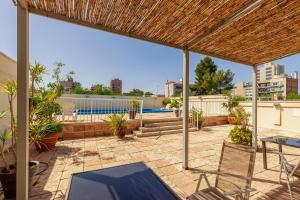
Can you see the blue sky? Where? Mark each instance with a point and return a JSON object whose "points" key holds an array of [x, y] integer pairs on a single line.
{"points": [[98, 57]]}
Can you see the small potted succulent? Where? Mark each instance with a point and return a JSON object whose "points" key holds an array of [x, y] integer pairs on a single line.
{"points": [[134, 107], [118, 124], [8, 171], [241, 134], [175, 105]]}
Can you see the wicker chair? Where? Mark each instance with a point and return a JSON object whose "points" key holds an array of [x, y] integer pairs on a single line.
{"points": [[290, 171], [233, 177]]}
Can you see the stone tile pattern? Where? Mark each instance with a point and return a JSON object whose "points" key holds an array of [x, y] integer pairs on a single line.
{"points": [[163, 154]]}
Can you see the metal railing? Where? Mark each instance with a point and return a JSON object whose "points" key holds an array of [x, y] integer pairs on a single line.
{"points": [[97, 109]]}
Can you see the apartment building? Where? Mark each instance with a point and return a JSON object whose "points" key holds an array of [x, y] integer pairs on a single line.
{"points": [[116, 86], [273, 83], [172, 88], [268, 71]]}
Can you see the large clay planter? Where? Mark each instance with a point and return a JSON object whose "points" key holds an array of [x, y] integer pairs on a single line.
{"points": [[8, 180], [232, 120], [48, 142]]}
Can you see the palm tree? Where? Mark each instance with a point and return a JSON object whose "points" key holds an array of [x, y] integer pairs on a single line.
{"points": [[36, 72]]}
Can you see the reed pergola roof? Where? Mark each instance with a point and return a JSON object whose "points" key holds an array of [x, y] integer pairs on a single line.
{"points": [[245, 31]]}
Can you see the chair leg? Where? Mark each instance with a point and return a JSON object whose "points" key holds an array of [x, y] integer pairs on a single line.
{"points": [[288, 182], [280, 172]]}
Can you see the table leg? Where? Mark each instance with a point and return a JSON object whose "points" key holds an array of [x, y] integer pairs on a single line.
{"points": [[264, 148], [280, 151]]}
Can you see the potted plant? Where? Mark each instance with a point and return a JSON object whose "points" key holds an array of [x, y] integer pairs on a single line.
{"points": [[175, 105], [8, 171], [44, 133], [118, 124], [241, 134], [230, 105], [134, 107], [197, 118], [43, 129], [166, 101]]}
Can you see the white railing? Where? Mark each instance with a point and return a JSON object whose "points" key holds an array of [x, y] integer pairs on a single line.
{"points": [[97, 109], [209, 107]]}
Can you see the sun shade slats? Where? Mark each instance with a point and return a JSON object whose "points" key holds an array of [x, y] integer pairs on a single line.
{"points": [[268, 31]]}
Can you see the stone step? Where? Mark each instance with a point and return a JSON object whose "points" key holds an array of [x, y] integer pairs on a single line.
{"points": [[150, 121], [158, 124], [161, 128], [157, 133]]}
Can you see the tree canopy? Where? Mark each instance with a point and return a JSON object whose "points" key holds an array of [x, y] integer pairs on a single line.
{"points": [[210, 80]]}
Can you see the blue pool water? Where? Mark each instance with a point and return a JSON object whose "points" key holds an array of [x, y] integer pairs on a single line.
{"points": [[99, 111]]}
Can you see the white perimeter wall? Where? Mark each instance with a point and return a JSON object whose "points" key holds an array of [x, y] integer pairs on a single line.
{"points": [[279, 115], [8, 70]]}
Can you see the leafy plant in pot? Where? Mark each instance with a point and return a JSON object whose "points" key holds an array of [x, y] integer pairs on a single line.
{"points": [[134, 107], [8, 171], [43, 129], [241, 134], [230, 105], [175, 105], [118, 124]]}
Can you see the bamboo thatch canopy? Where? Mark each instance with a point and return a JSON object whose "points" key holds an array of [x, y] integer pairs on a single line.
{"points": [[245, 31]]}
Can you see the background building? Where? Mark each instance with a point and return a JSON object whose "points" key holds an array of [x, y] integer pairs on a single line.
{"points": [[173, 88], [116, 86], [69, 84], [269, 71], [273, 83]]}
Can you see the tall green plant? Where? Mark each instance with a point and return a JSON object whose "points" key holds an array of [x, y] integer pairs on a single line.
{"points": [[4, 137], [36, 71], [9, 87], [135, 103], [118, 124]]}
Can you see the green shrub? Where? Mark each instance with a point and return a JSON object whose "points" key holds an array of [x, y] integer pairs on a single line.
{"points": [[240, 135], [135, 103], [166, 101], [175, 104]]}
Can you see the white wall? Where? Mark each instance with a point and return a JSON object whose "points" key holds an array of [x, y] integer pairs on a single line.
{"points": [[279, 115], [8, 70]]}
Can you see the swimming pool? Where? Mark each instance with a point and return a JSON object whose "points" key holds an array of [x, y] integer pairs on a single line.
{"points": [[110, 111]]}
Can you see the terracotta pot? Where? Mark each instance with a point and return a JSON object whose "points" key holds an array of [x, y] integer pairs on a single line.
{"points": [[177, 113], [8, 180], [232, 120], [121, 133], [47, 143], [132, 114]]}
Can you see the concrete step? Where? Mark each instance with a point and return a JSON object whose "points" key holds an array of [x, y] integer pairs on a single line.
{"points": [[158, 124], [150, 121], [161, 128], [157, 133]]}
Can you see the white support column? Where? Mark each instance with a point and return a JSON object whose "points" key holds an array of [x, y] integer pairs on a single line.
{"points": [[185, 108], [22, 102], [254, 106]]}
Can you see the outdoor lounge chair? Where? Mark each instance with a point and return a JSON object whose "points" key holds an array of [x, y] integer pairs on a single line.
{"points": [[290, 171], [233, 177]]}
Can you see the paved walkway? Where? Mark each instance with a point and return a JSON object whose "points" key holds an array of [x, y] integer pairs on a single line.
{"points": [[163, 154]]}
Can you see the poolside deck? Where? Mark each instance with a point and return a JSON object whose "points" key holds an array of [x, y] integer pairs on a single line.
{"points": [[163, 154]]}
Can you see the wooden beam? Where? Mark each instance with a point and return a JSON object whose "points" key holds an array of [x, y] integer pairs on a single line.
{"points": [[22, 3], [111, 30], [225, 22], [22, 102]]}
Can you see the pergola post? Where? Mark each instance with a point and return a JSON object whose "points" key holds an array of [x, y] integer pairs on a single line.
{"points": [[185, 108], [22, 101], [254, 106]]}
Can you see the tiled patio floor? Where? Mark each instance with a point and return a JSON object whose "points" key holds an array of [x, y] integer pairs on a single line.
{"points": [[163, 154]]}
